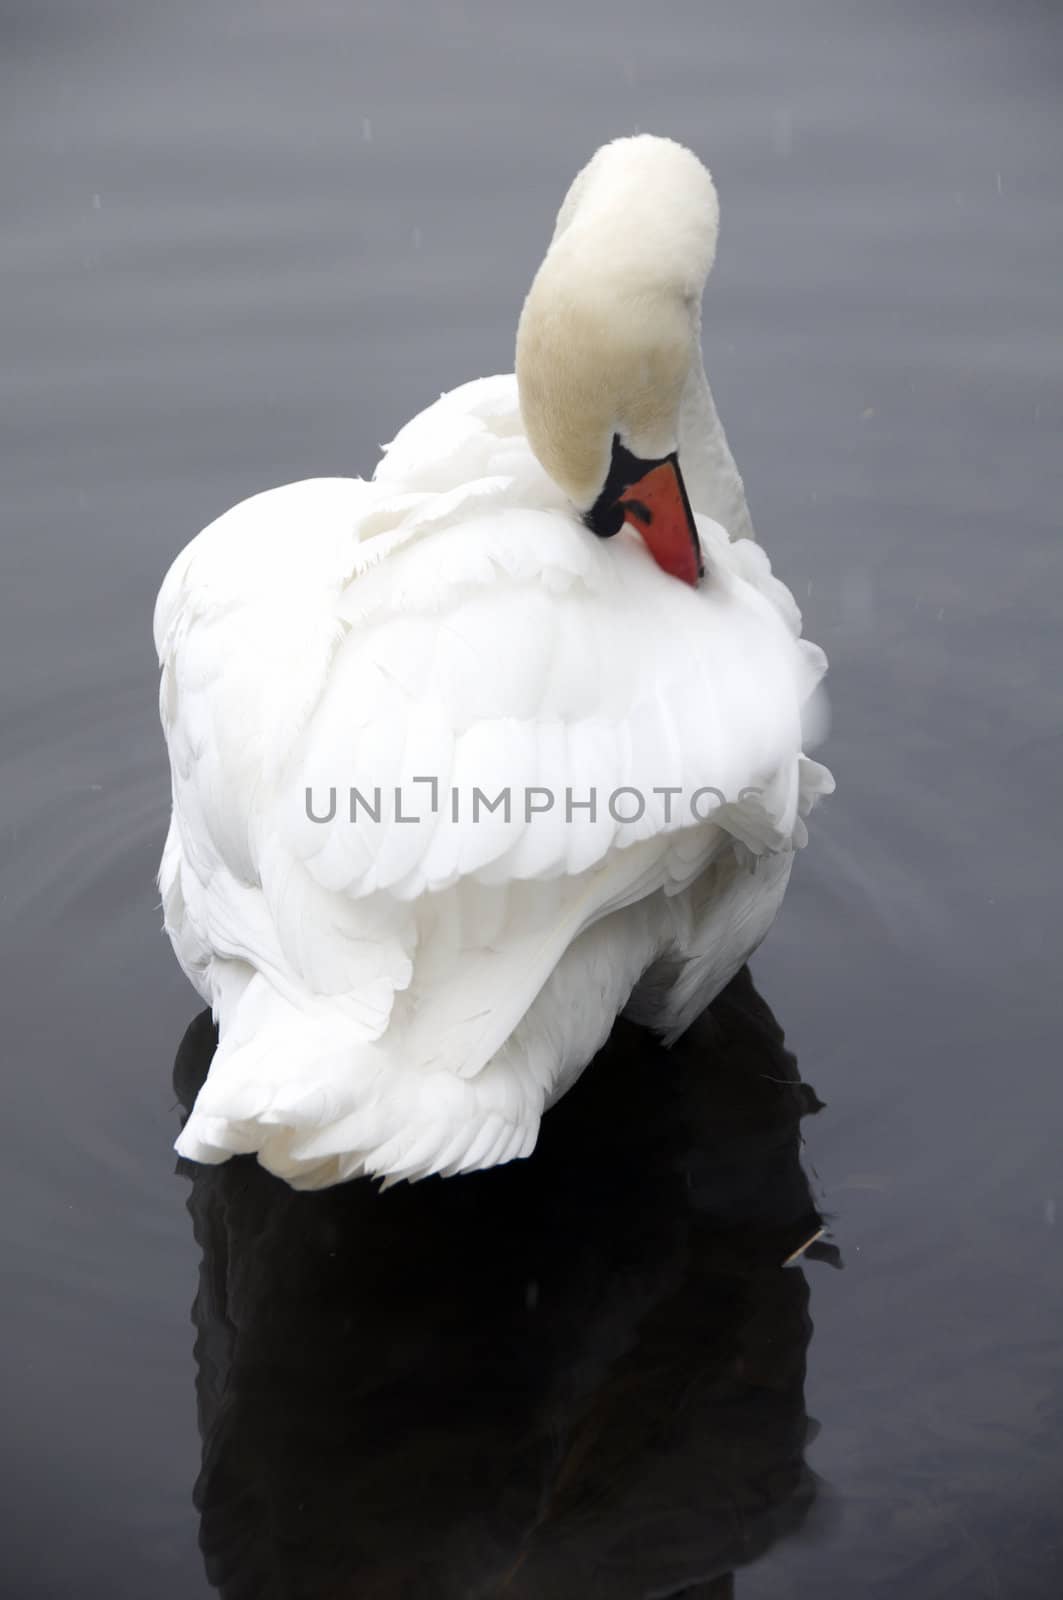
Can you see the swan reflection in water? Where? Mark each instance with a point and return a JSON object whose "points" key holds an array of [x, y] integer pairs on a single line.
{"points": [[578, 1375]]}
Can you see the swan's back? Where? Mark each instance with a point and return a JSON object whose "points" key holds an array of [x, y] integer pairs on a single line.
{"points": [[387, 705]]}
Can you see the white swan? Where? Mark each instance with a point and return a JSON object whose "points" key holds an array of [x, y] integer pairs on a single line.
{"points": [[402, 997]]}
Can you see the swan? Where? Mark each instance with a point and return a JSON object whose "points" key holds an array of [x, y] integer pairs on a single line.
{"points": [[472, 757]]}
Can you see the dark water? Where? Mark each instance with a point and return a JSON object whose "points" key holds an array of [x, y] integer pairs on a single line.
{"points": [[241, 243]]}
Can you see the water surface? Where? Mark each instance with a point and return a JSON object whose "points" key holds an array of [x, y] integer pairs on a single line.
{"points": [[242, 243]]}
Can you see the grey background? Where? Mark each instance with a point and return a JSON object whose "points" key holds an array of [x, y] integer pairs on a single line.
{"points": [[241, 243]]}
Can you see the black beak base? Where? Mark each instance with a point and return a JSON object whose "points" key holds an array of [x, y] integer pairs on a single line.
{"points": [[607, 516]]}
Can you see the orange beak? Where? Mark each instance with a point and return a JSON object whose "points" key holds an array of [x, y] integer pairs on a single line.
{"points": [[657, 505]]}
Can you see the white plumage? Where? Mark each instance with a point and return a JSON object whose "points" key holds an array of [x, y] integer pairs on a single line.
{"points": [[401, 997]]}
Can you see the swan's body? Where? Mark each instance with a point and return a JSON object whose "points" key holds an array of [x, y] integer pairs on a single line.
{"points": [[401, 997]]}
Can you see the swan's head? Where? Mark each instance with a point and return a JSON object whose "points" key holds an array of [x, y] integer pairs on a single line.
{"points": [[607, 339]]}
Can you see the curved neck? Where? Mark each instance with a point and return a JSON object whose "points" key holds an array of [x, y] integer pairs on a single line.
{"points": [[713, 481]]}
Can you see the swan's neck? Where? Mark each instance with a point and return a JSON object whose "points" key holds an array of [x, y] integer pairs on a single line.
{"points": [[713, 481]]}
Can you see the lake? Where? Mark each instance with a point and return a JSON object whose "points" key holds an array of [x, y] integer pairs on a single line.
{"points": [[243, 242]]}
